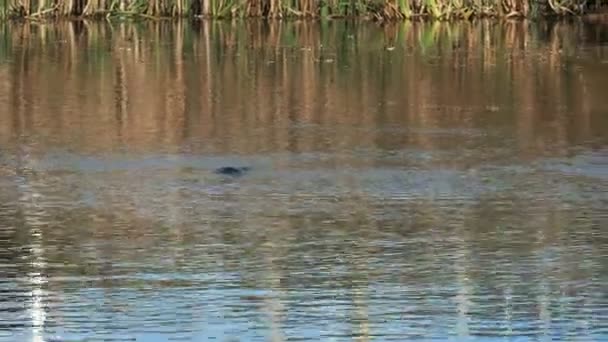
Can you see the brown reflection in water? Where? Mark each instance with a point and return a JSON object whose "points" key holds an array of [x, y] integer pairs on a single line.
{"points": [[99, 87]]}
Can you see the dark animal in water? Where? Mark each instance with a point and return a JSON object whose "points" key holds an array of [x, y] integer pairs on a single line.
{"points": [[232, 170]]}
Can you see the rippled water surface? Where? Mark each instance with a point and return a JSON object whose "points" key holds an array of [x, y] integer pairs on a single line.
{"points": [[415, 182]]}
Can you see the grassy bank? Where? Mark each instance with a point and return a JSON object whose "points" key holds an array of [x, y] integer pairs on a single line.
{"points": [[283, 9]]}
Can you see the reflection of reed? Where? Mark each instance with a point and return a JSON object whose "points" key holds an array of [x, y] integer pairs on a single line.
{"points": [[273, 305], [167, 82], [464, 288]]}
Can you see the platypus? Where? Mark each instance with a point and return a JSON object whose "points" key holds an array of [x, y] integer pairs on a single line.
{"points": [[232, 170]]}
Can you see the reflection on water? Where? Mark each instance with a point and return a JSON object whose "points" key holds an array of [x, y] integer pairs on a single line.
{"points": [[412, 182]]}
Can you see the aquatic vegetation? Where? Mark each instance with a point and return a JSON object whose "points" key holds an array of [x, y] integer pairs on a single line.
{"points": [[380, 10]]}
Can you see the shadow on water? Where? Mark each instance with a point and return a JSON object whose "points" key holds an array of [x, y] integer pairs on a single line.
{"points": [[407, 182]]}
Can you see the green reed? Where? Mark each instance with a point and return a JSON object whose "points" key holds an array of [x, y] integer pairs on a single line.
{"points": [[381, 10]]}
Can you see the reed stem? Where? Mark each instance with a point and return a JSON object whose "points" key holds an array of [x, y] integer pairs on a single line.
{"points": [[381, 10]]}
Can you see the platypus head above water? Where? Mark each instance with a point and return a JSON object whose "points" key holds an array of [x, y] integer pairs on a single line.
{"points": [[232, 170]]}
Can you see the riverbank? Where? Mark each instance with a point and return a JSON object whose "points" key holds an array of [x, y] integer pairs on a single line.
{"points": [[379, 10]]}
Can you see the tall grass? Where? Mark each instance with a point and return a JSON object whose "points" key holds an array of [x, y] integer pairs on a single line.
{"points": [[381, 10]]}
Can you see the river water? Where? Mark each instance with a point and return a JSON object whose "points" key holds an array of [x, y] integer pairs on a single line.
{"points": [[410, 182]]}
